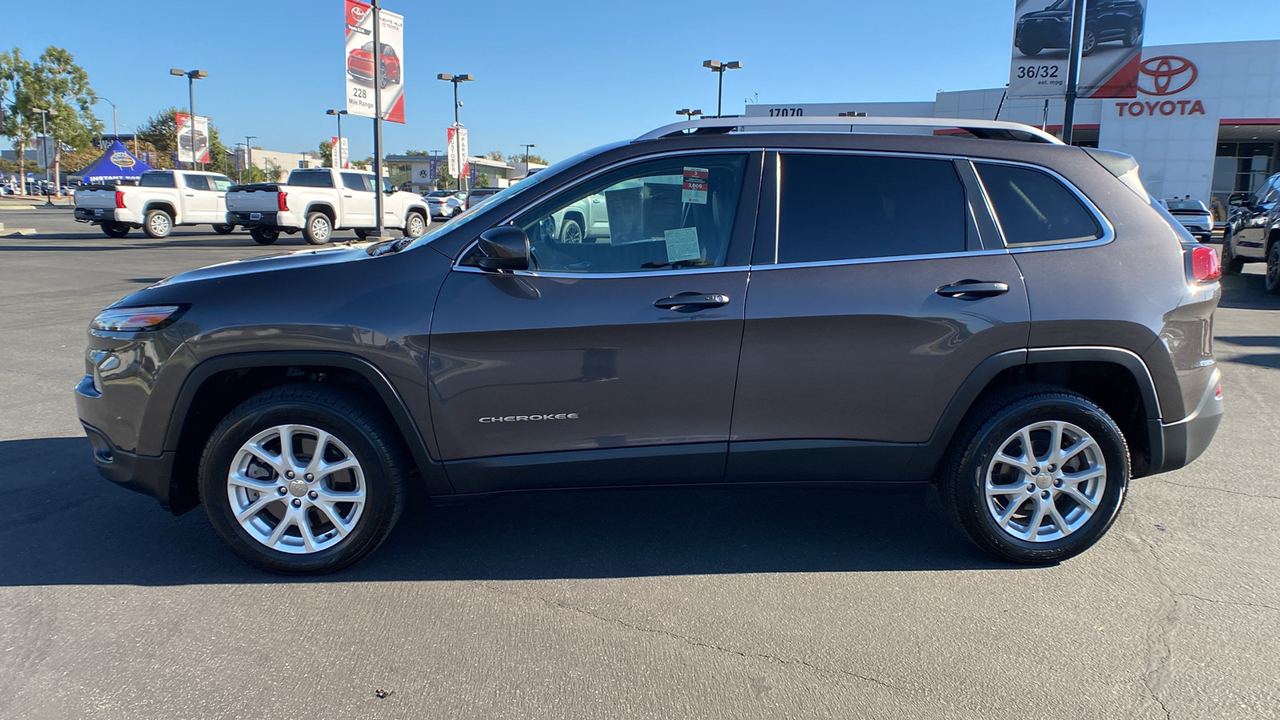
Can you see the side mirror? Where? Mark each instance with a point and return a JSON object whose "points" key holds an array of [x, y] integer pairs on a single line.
{"points": [[1237, 199], [505, 247]]}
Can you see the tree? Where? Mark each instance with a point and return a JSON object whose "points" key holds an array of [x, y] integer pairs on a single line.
{"points": [[62, 87], [274, 173], [482, 180], [161, 134], [15, 73], [326, 153], [528, 158], [445, 181], [494, 155]]}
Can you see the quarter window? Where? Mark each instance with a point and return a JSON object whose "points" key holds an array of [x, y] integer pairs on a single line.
{"points": [[841, 207], [656, 216], [1034, 208]]}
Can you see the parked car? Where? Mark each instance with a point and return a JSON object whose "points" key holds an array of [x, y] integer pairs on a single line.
{"points": [[1193, 215], [1001, 345], [161, 200], [476, 195], [360, 64], [318, 201], [1105, 21], [1253, 232], [445, 204]]}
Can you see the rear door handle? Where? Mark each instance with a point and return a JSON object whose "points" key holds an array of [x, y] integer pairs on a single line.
{"points": [[692, 301], [973, 289]]}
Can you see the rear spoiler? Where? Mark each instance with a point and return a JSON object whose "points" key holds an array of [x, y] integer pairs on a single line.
{"points": [[1124, 167]]}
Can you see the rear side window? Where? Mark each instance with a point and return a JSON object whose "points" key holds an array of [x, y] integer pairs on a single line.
{"points": [[310, 179], [842, 207], [156, 179], [1034, 208], [196, 182]]}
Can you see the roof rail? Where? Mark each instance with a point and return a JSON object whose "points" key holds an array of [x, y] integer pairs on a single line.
{"points": [[989, 129]]}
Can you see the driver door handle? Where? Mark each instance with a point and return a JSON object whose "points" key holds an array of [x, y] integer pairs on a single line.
{"points": [[692, 300], [973, 289]]}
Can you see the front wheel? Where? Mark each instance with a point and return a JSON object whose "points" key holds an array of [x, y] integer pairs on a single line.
{"points": [[264, 235], [302, 479], [1231, 264], [222, 229], [318, 228], [1273, 268], [1030, 50], [1134, 34], [114, 229], [415, 226], [158, 224], [1037, 475]]}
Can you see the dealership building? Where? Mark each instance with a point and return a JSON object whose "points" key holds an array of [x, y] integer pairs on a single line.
{"points": [[1205, 122]]}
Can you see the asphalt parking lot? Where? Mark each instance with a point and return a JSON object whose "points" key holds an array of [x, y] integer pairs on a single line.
{"points": [[709, 603]]}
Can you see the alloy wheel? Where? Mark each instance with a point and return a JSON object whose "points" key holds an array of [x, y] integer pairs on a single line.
{"points": [[1045, 482]]}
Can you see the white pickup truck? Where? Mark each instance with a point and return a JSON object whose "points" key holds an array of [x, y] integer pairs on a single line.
{"points": [[160, 200], [318, 201]]}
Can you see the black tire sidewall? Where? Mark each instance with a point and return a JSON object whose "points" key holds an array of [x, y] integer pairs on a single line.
{"points": [[114, 230], [565, 227], [223, 229], [1271, 280], [380, 474], [146, 224], [969, 497], [264, 236]]}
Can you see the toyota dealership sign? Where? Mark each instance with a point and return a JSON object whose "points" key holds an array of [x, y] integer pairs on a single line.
{"points": [[1111, 48]]}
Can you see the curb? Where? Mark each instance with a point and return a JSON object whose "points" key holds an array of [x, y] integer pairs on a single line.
{"points": [[18, 231]]}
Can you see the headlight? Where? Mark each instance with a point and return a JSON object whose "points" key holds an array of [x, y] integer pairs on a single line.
{"points": [[136, 319]]}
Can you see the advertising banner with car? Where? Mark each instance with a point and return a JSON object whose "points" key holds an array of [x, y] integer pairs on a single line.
{"points": [[363, 62], [1111, 48], [192, 149]]}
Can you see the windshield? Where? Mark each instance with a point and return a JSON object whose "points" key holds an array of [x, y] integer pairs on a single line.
{"points": [[1060, 5], [1187, 205], [543, 179]]}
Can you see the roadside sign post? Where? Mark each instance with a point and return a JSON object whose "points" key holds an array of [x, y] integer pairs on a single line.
{"points": [[1073, 71]]}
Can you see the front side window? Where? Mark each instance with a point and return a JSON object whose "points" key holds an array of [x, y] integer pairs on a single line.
{"points": [[355, 181], [655, 216], [196, 182], [1034, 208], [842, 207]]}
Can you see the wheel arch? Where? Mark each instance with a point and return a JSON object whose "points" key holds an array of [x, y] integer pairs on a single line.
{"points": [[321, 207], [161, 205], [218, 385], [1117, 380]]}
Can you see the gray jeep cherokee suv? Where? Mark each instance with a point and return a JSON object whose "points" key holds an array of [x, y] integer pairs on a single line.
{"points": [[774, 301]]}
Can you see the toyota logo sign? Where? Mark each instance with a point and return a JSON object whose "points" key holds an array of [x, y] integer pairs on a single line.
{"points": [[1167, 75]]}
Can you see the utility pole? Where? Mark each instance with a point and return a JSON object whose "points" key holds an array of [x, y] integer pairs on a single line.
{"points": [[248, 155]]}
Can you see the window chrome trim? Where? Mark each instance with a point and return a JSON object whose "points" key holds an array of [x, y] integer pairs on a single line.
{"points": [[587, 178], [1108, 230], [878, 260], [656, 272]]}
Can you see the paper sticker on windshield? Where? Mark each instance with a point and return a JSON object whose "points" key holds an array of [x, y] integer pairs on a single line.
{"points": [[682, 244], [695, 186]]}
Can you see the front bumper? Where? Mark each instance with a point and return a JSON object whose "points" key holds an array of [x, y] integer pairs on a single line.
{"points": [[152, 476]]}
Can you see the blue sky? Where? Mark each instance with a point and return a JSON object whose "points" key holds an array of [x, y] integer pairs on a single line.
{"points": [[564, 74]]}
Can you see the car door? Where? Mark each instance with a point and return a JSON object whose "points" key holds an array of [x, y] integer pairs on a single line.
{"points": [[357, 200], [199, 202], [1252, 226], [872, 299], [611, 362]]}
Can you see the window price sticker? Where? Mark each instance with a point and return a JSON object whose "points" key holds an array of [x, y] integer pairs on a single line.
{"points": [[695, 186], [682, 244]]}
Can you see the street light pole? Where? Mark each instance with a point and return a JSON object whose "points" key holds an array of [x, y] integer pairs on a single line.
{"points": [[44, 149], [689, 114], [192, 76], [115, 121], [718, 68], [341, 162], [248, 154], [526, 147], [457, 124]]}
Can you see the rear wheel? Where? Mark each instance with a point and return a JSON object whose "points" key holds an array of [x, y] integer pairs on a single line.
{"points": [[222, 229], [158, 224], [570, 231], [1037, 475], [302, 479], [1273, 268], [318, 229], [1030, 50], [264, 235], [1134, 34], [114, 229], [1090, 42], [415, 226]]}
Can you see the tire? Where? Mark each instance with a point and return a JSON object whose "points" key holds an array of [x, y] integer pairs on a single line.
{"points": [[1273, 268], [319, 228], [1134, 34], [1089, 42], [362, 233], [415, 225], [264, 235], [1030, 50], [158, 224], [1005, 524], [222, 229], [383, 81], [570, 231], [1231, 264], [114, 229], [244, 471]]}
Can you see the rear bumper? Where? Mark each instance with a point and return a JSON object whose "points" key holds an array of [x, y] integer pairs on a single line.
{"points": [[272, 219], [101, 215], [1187, 439]]}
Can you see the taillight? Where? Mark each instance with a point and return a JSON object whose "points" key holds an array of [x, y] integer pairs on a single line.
{"points": [[1204, 264], [119, 199], [282, 201]]}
